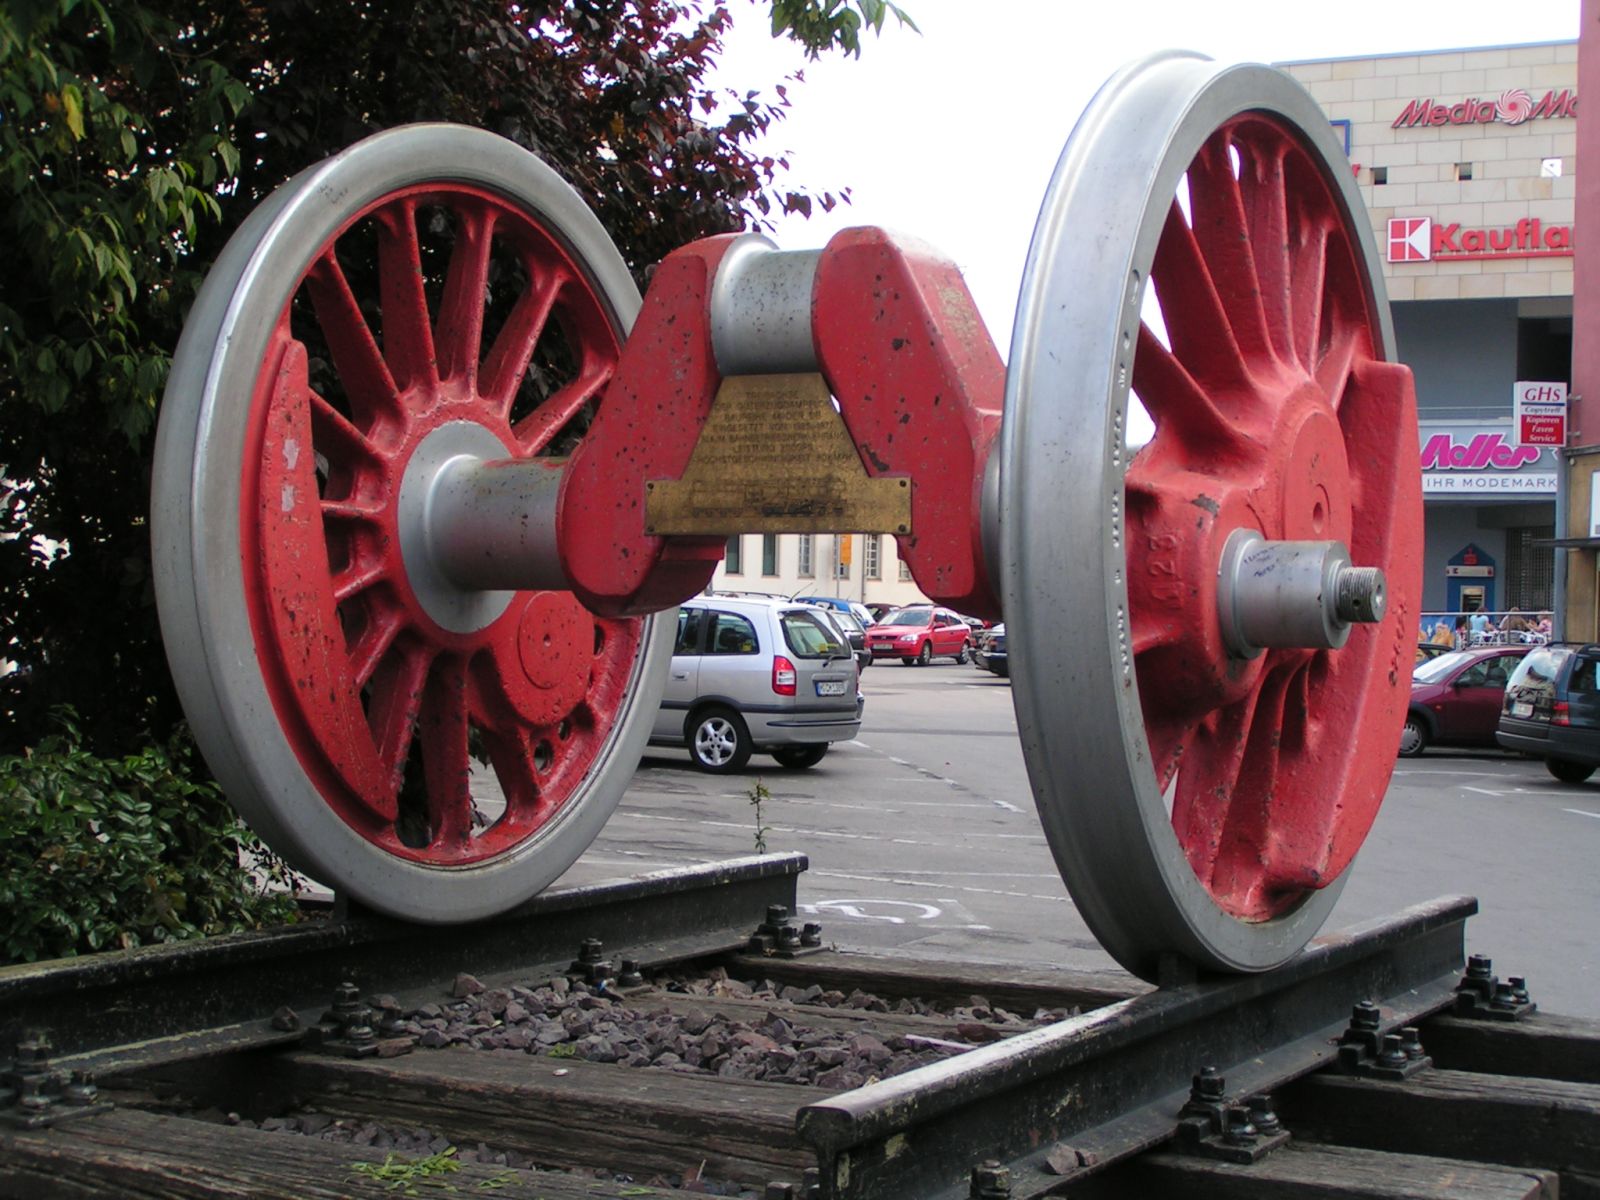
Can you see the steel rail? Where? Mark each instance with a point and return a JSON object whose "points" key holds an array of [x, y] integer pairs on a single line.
{"points": [[165, 1003], [1060, 1102]]}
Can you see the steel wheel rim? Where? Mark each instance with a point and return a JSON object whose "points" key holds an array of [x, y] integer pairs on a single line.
{"points": [[1073, 360], [1410, 738], [211, 617]]}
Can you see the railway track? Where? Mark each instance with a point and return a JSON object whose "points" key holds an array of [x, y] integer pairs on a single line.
{"points": [[679, 1056]]}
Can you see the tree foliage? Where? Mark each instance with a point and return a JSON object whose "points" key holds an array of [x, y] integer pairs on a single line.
{"points": [[136, 135], [107, 853]]}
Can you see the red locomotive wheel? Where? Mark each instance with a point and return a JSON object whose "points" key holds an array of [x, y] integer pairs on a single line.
{"points": [[1210, 744], [431, 297]]}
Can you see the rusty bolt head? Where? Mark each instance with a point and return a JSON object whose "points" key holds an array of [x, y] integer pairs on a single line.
{"points": [[811, 935], [1263, 1116], [1411, 1042], [1519, 988], [777, 914], [1241, 1131], [1393, 1053], [34, 1048], [81, 1089], [591, 950], [1480, 966], [1208, 1085], [991, 1180], [1365, 1015]]}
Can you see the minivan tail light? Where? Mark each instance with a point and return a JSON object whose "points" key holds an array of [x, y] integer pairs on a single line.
{"points": [[783, 676], [1559, 713]]}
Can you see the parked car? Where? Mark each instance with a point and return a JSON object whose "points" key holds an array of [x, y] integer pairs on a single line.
{"points": [[852, 631], [990, 654], [1455, 698], [920, 633], [750, 675], [855, 608], [1552, 710], [1427, 650]]}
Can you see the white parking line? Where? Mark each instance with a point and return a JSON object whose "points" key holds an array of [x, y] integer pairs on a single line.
{"points": [[1582, 812], [1466, 787], [919, 883]]}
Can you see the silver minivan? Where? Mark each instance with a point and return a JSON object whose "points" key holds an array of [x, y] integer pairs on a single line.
{"points": [[752, 674]]}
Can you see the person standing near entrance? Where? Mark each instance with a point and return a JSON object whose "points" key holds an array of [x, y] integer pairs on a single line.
{"points": [[1478, 624]]}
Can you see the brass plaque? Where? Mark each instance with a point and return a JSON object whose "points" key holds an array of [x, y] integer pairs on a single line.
{"points": [[775, 457]]}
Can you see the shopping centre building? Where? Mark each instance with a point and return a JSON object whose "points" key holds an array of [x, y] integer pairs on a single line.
{"points": [[1466, 160]]}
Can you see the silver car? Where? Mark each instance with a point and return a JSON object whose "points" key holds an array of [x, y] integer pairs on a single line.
{"points": [[751, 674]]}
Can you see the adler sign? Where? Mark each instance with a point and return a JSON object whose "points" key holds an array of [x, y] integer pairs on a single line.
{"points": [[1483, 462]]}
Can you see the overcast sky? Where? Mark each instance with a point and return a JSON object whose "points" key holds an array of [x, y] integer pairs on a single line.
{"points": [[951, 134]]}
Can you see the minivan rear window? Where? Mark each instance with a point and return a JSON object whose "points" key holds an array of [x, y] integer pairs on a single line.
{"points": [[1536, 673], [811, 637]]}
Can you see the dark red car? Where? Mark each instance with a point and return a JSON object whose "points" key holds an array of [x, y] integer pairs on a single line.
{"points": [[919, 633], [1456, 698]]}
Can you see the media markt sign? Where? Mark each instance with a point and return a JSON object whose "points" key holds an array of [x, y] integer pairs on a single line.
{"points": [[1540, 413], [1460, 459]]}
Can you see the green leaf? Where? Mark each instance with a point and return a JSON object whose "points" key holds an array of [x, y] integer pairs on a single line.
{"points": [[72, 110]]}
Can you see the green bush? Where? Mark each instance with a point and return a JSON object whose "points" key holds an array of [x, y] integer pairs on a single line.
{"points": [[108, 853]]}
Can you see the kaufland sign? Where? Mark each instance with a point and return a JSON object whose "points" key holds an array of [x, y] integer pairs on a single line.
{"points": [[1422, 239], [1483, 460], [1514, 106]]}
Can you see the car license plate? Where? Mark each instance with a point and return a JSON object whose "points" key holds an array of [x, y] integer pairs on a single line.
{"points": [[1521, 708], [830, 687]]}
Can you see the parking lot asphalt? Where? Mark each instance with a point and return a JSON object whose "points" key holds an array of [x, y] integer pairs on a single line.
{"points": [[923, 840]]}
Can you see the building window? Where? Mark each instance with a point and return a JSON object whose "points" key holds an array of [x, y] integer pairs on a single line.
{"points": [[841, 555], [805, 569], [769, 554], [734, 559], [905, 572], [874, 556], [1530, 569], [1380, 176], [1464, 172]]}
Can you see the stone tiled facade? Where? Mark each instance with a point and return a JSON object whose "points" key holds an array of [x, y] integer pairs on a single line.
{"points": [[1422, 164]]}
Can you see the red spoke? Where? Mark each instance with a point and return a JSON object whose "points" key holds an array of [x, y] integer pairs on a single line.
{"points": [[1253, 823], [512, 755], [1196, 318], [535, 430], [1212, 763], [1265, 198], [367, 382], [1169, 739], [365, 511], [335, 436], [381, 629], [1174, 400], [1224, 237], [459, 338], [407, 332], [1333, 372], [1308, 282], [513, 347], [396, 701], [357, 577], [446, 765]]}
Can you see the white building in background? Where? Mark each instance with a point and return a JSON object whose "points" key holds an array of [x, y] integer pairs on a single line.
{"points": [[855, 566]]}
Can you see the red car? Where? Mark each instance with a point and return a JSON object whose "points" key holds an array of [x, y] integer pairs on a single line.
{"points": [[919, 634], [1456, 698]]}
